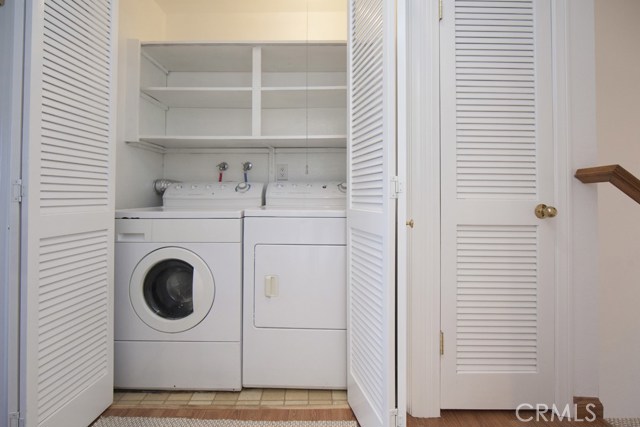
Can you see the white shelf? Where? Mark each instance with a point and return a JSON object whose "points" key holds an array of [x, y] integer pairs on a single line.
{"points": [[304, 97], [276, 141], [304, 57], [201, 97], [203, 57], [237, 95]]}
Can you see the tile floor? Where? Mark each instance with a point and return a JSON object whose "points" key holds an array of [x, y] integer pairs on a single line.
{"points": [[247, 398]]}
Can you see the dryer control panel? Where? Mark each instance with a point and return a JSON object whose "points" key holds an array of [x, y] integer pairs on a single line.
{"points": [[306, 194]]}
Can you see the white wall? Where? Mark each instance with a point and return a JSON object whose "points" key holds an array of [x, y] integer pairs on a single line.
{"points": [[136, 169], [256, 20], [581, 239], [618, 109], [202, 167], [324, 164]]}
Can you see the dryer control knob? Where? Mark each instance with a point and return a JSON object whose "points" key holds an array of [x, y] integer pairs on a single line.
{"points": [[243, 187]]}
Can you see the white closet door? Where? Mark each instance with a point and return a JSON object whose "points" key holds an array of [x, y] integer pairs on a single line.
{"points": [[371, 214], [497, 164], [67, 270]]}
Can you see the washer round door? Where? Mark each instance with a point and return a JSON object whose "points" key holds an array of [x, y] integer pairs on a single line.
{"points": [[172, 289]]}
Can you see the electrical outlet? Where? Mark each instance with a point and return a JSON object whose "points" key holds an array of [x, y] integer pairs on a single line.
{"points": [[282, 172]]}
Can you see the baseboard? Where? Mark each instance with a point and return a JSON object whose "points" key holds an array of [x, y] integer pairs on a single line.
{"points": [[587, 407]]}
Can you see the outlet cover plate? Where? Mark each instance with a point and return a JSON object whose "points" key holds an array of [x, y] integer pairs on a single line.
{"points": [[282, 172]]}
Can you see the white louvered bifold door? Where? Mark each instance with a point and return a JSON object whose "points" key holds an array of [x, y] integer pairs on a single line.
{"points": [[67, 263], [371, 210], [498, 269]]}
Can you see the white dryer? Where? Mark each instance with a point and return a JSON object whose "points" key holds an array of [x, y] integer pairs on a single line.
{"points": [[294, 328], [178, 284]]}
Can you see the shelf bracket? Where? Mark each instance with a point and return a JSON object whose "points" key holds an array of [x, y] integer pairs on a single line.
{"points": [[155, 63], [154, 101]]}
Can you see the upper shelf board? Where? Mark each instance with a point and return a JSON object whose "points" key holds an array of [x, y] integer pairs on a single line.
{"points": [[199, 97], [312, 97], [201, 57], [220, 57], [279, 141], [311, 58]]}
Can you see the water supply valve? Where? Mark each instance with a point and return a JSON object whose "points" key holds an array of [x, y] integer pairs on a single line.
{"points": [[223, 166]]}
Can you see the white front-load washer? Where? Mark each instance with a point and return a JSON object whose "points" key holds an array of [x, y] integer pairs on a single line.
{"points": [[178, 289], [294, 321]]}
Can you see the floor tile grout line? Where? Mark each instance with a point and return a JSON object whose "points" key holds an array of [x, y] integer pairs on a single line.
{"points": [[246, 398]]}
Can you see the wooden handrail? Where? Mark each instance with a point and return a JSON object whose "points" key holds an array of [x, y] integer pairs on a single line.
{"points": [[616, 175]]}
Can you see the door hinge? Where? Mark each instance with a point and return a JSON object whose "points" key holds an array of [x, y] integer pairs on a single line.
{"points": [[440, 10], [397, 187], [17, 190], [15, 420], [441, 343], [398, 420]]}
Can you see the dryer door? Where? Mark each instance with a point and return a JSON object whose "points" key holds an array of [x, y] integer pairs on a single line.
{"points": [[172, 289]]}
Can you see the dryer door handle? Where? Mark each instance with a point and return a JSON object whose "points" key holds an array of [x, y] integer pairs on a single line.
{"points": [[271, 286]]}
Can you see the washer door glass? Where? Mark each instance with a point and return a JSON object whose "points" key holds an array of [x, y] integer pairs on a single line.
{"points": [[172, 289], [168, 289]]}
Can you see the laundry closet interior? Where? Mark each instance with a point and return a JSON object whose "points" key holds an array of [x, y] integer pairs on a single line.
{"points": [[223, 108]]}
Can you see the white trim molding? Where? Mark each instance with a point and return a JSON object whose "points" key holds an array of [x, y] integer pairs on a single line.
{"points": [[424, 208], [581, 376], [11, 45]]}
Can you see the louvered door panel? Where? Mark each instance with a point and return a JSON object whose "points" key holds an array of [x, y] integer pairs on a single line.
{"points": [[497, 299], [370, 215], [495, 100], [367, 109], [73, 317], [69, 211], [76, 123], [497, 165], [367, 319]]}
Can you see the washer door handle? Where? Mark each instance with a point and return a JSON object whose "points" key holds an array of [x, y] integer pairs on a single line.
{"points": [[271, 286]]}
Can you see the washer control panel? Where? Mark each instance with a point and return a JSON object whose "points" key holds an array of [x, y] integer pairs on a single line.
{"points": [[213, 195]]}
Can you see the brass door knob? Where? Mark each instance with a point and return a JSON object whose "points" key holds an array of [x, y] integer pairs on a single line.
{"points": [[410, 223], [543, 211]]}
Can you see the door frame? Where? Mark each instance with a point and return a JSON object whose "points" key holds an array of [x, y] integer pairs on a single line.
{"points": [[11, 75], [576, 252]]}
